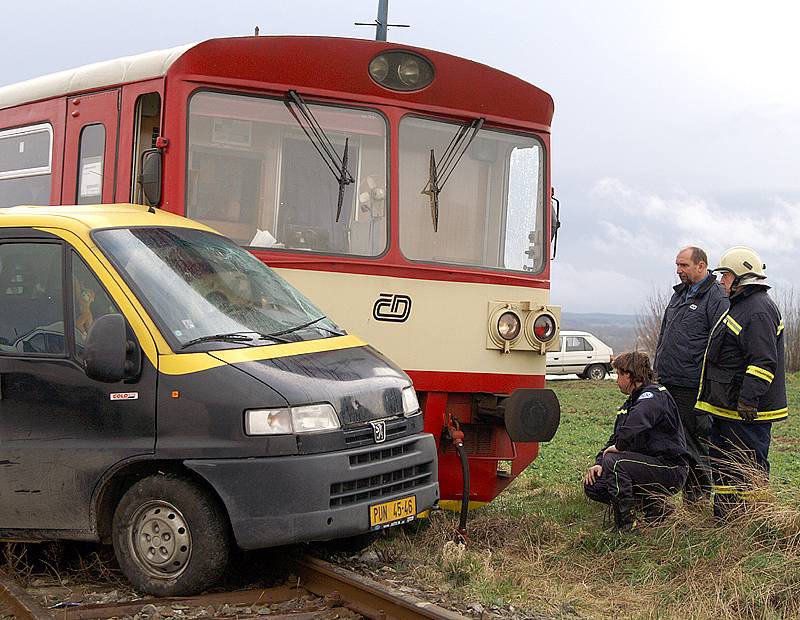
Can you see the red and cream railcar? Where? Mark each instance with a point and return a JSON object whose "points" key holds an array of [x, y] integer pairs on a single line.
{"points": [[405, 190]]}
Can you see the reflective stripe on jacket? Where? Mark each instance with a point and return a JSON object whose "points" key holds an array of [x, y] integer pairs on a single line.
{"points": [[744, 360], [684, 333]]}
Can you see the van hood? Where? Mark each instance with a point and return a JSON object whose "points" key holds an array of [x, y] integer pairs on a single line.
{"points": [[359, 382]]}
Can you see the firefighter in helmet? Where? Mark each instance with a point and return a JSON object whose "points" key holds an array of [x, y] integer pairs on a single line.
{"points": [[743, 380]]}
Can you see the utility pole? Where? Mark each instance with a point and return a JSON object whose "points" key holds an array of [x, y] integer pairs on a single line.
{"points": [[382, 21]]}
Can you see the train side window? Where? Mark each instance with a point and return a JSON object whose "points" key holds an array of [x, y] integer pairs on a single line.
{"points": [[146, 128], [90, 301], [31, 299], [90, 164], [26, 155]]}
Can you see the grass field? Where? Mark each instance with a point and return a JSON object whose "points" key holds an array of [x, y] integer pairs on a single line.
{"points": [[542, 547]]}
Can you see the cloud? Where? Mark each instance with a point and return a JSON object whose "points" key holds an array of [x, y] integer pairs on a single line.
{"points": [[771, 227], [625, 244]]}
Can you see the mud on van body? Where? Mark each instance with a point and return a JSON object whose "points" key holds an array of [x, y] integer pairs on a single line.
{"points": [[163, 390]]}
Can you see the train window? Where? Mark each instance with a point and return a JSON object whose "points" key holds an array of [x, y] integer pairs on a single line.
{"points": [[31, 299], [490, 208], [25, 165], [90, 165], [254, 175]]}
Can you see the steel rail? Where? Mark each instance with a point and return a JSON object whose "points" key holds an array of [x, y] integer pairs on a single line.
{"points": [[363, 595], [19, 602], [345, 588]]}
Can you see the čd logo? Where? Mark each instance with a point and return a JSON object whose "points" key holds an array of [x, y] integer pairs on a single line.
{"points": [[392, 308]]}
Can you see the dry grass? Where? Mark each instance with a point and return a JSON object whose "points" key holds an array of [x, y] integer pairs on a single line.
{"points": [[558, 560]]}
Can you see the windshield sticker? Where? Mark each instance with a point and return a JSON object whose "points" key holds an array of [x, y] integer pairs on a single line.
{"points": [[124, 395]]}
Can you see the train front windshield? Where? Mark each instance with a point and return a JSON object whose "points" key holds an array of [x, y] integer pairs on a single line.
{"points": [[255, 175], [490, 209]]}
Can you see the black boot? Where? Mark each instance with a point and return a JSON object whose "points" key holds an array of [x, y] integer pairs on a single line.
{"points": [[656, 509], [624, 519]]}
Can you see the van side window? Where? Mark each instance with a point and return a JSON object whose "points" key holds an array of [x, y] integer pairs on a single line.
{"points": [[90, 165], [89, 301], [31, 298], [25, 165], [578, 343]]}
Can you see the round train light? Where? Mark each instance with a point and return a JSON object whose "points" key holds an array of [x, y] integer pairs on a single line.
{"points": [[544, 328], [508, 325], [403, 71], [408, 72], [379, 68]]}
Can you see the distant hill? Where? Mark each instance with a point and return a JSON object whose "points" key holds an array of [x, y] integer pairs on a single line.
{"points": [[617, 330]]}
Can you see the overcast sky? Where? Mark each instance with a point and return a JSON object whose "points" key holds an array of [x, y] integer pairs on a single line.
{"points": [[676, 122]]}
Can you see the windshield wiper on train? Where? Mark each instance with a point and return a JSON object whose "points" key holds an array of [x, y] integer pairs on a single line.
{"points": [[439, 173], [320, 141], [233, 337], [303, 326]]}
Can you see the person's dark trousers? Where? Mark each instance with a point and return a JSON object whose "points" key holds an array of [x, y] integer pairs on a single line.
{"points": [[739, 456], [697, 426], [628, 476]]}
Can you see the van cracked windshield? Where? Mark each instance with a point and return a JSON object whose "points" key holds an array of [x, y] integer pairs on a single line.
{"points": [[205, 292]]}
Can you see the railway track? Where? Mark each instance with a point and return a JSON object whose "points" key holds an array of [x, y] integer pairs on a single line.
{"points": [[321, 590]]}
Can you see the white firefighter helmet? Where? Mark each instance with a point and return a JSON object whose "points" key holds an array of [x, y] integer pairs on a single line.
{"points": [[742, 261]]}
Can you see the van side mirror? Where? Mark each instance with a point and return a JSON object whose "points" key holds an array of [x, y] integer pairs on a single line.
{"points": [[150, 176], [106, 349]]}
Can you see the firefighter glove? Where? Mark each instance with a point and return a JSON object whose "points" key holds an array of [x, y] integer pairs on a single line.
{"points": [[746, 412]]}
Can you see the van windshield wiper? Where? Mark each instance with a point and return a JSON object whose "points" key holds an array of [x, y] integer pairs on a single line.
{"points": [[303, 326], [234, 337], [320, 141], [447, 164]]}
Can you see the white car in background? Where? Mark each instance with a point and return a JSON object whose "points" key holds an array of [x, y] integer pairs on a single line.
{"points": [[582, 354]]}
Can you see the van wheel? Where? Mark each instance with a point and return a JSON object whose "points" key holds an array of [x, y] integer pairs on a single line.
{"points": [[595, 371], [171, 538]]}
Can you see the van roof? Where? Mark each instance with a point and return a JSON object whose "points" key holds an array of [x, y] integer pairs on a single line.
{"points": [[83, 218], [565, 332]]}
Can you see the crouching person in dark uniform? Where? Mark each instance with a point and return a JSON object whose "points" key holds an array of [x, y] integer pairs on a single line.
{"points": [[645, 459]]}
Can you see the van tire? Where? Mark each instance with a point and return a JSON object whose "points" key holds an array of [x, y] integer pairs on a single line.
{"points": [[188, 531], [595, 372]]}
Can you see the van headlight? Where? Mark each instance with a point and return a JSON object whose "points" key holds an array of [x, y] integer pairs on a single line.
{"points": [[410, 402], [284, 421]]}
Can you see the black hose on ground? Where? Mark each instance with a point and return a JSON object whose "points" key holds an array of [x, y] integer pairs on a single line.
{"points": [[462, 453]]}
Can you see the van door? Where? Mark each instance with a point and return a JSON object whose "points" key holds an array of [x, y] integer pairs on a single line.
{"points": [[59, 430], [90, 150]]}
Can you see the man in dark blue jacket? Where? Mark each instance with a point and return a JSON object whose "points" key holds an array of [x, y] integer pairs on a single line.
{"points": [[695, 307], [743, 385], [645, 457]]}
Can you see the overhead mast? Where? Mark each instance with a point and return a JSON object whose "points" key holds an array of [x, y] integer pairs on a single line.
{"points": [[381, 23]]}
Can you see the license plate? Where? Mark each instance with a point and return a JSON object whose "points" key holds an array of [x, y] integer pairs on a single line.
{"points": [[393, 513]]}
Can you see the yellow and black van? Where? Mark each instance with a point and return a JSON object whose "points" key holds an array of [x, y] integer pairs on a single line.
{"points": [[164, 390]]}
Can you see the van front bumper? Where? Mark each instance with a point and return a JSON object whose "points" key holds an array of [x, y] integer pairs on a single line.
{"points": [[282, 500]]}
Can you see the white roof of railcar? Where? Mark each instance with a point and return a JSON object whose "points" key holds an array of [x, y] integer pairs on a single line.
{"points": [[99, 74]]}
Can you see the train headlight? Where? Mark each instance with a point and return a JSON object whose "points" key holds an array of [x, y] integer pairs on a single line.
{"points": [[408, 72], [379, 68], [403, 71], [284, 421], [544, 328], [508, 326], [410, 402]]}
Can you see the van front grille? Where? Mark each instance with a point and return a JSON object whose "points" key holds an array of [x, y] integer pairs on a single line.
{"points": [[377, 486]]}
